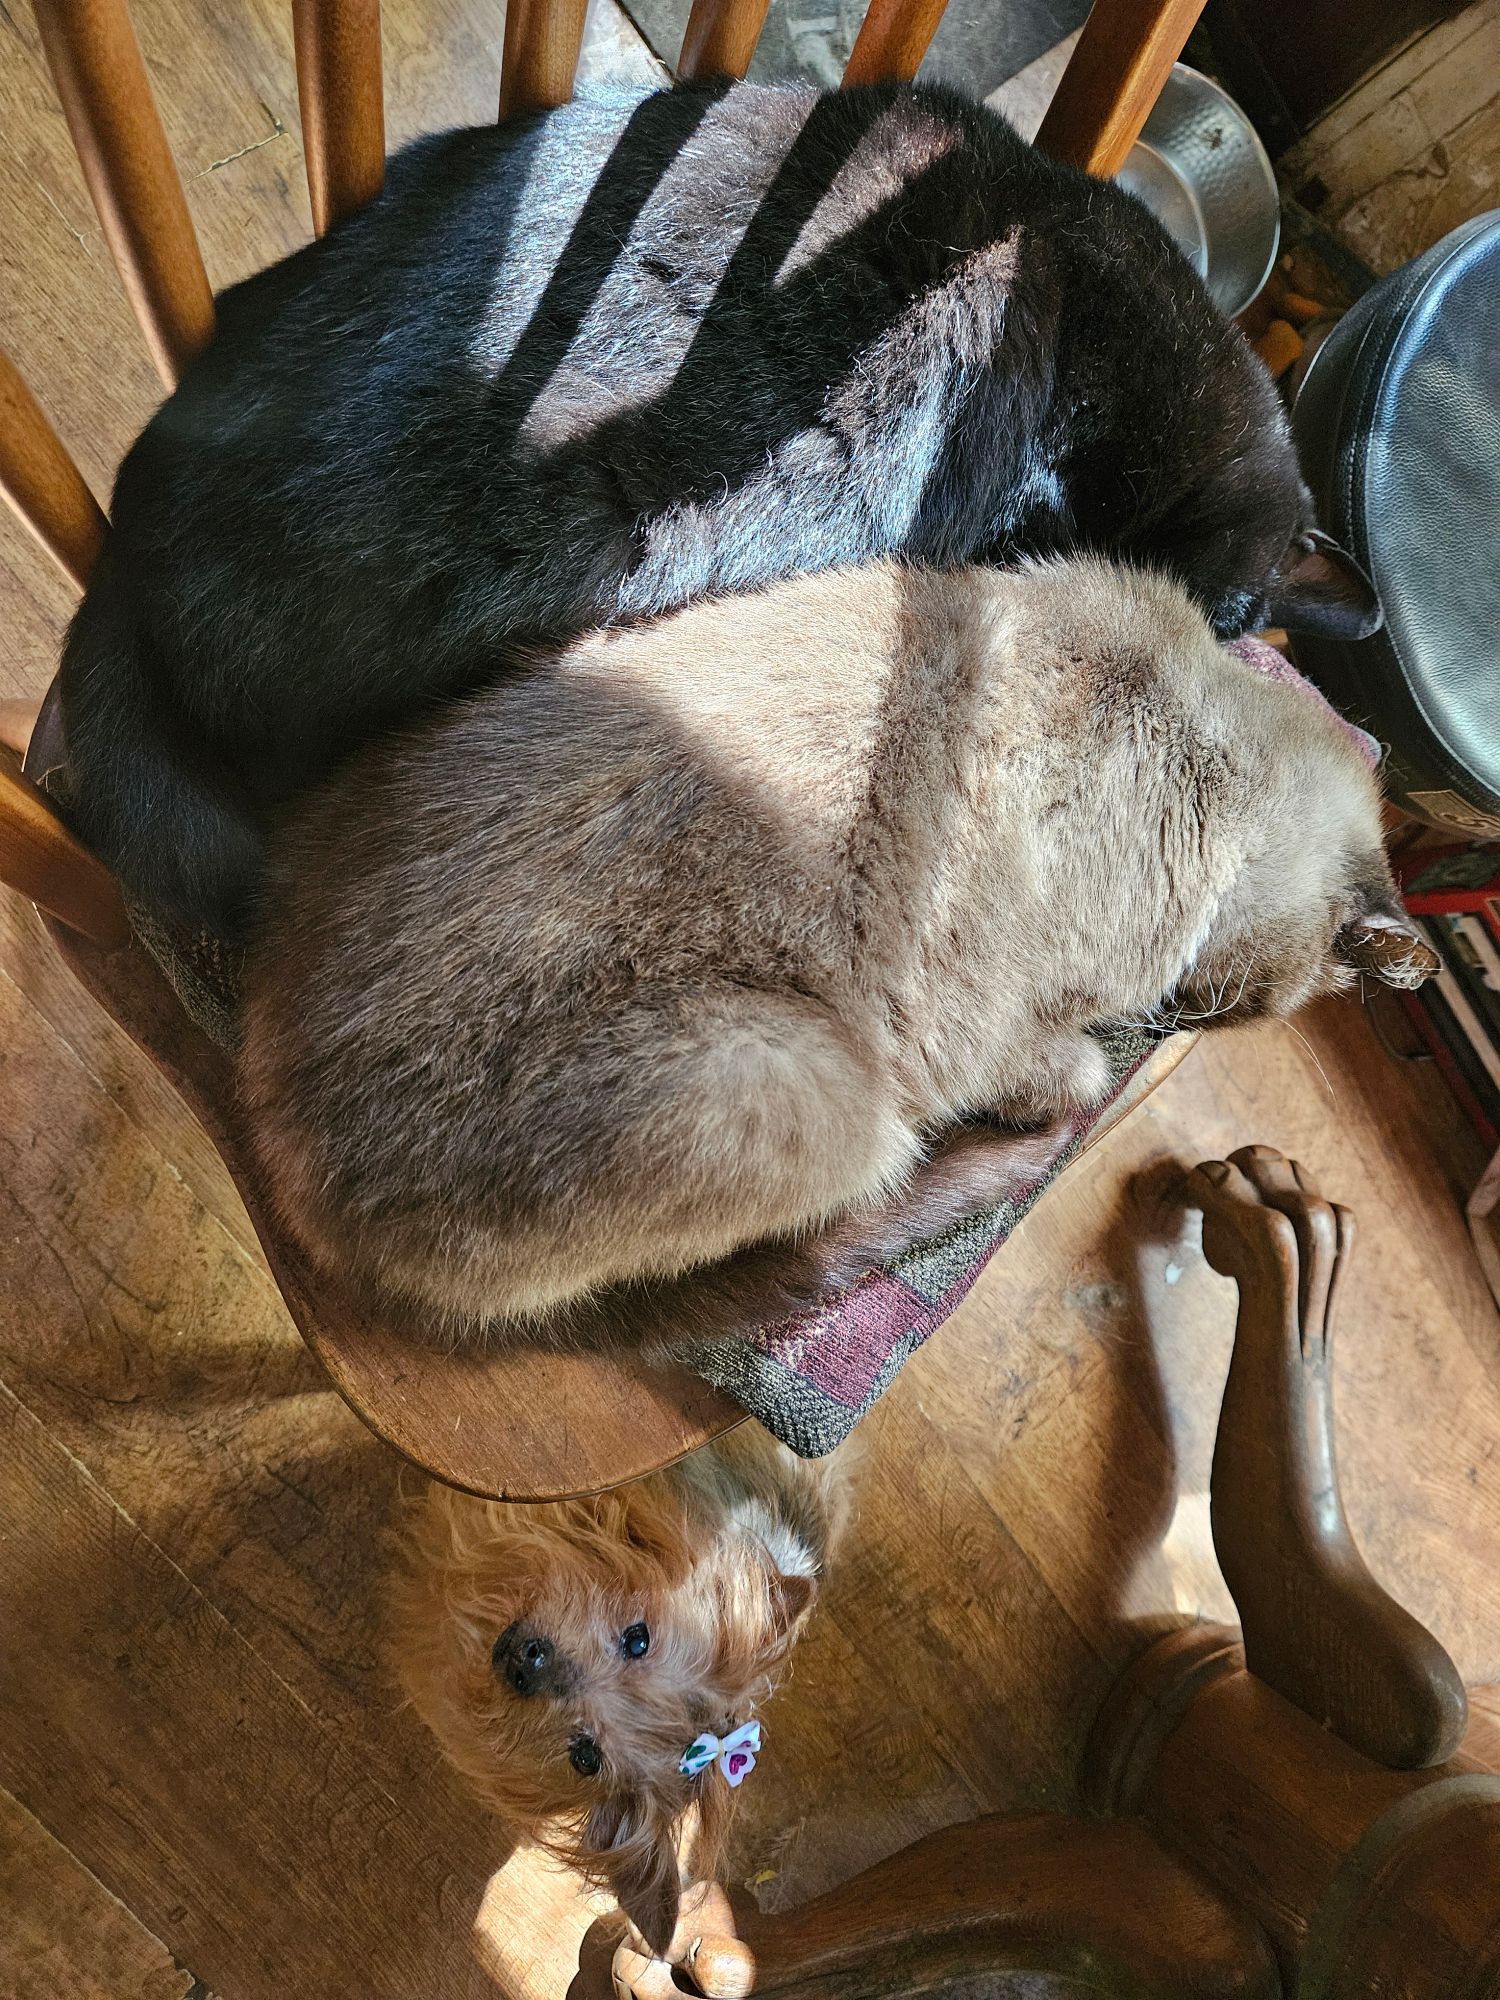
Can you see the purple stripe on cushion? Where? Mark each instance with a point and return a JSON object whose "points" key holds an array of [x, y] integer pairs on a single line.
{"points": [[842, 1348]]}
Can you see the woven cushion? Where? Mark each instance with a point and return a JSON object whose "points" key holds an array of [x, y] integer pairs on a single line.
{"points": [[810, 1379]]}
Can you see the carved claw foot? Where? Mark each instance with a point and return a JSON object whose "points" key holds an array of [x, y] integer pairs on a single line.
{"points": [[1317, 1626]]}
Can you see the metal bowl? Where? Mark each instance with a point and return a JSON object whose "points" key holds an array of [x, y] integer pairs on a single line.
{"points": [[1202, 171]]}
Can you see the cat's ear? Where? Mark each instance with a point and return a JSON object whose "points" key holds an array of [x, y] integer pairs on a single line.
{"points": [[1319, 587], [1388, 947]]}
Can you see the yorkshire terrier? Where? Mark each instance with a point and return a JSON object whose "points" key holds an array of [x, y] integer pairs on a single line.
{"points": [[595, 1669]]}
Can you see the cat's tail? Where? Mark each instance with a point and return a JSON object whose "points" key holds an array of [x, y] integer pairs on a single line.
{"points": [[971, 1172], [156, 805]]}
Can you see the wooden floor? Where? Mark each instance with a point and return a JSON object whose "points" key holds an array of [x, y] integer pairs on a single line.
{"points": [[1414, 149], [206, 1777]]}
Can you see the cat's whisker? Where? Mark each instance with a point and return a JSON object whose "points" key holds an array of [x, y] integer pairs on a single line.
{"points": [[1317, 1065]]}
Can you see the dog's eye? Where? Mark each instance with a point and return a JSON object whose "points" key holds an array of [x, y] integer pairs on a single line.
{"points": [[635, 1642], [585, 1756]]}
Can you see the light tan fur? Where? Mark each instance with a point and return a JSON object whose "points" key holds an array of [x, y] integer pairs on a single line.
{"points": [[719, 1557], [700, 935]]}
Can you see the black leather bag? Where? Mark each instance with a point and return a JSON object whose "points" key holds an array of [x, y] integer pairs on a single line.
{"points": [[1398, 425]]}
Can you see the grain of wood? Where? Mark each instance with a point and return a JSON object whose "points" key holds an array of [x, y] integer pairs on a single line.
{"points": [[160, 1738], [106, 97], [42, 859], [720, 37], [1414, 149], [542, 43], [63, 1936], [29, 960], [341, 95], [42, 484], [892, 40]]}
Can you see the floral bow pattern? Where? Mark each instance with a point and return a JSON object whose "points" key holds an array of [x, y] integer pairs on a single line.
{"points": [[735, 1753]]}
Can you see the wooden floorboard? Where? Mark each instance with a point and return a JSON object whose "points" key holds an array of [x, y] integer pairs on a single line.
{"points": [[1414, 149], [65, 1936], [193, 1705]]}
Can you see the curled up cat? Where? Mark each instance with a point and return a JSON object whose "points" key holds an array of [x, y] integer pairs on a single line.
{"points": [[598, 364], [707, 945]]}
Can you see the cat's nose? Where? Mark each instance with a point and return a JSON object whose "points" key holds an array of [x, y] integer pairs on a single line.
{"points": [[525, 1659]]}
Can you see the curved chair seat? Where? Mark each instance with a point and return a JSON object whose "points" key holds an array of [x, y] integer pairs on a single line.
{"points": [[510, 1424]]}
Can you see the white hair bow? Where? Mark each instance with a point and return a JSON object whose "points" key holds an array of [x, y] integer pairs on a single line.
{"points": [[735, 1753]]}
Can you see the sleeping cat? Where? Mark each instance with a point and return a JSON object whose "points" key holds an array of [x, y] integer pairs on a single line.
{"points": [[696, 939], [608, 361]]}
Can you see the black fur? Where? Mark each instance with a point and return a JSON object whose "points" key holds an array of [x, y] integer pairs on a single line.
{"points": [[602, 362]]}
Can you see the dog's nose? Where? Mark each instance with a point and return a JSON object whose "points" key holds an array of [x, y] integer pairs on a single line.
{"points": [[526, 1659]]}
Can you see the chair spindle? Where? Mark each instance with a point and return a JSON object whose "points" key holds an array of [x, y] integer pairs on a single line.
{"points": [[342, 100], [106, 97], [1113, 78], [720, 37], [893, 40], [542, 41], [42, 483], [40, 858]]}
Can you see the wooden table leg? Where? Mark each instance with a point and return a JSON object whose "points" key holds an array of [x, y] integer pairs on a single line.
{"points": [[1317, 1626], [1100, 1903], [1366, 1880]]}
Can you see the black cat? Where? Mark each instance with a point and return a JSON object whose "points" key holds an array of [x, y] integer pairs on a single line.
{"points": [[600, 363]]}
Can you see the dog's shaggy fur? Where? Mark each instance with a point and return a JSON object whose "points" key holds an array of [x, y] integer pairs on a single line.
{"points": [[700, 937], [719, 1558]]}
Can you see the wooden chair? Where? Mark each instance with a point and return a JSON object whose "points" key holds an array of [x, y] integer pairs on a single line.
{"points": [[511, 1425]]}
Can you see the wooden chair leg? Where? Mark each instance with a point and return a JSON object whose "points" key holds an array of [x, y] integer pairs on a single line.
{"points": [[342, 101], [720, 37], [892, 40], [41, 858], [1317, 1626], [1097, 1902], [105, 93], [540, 58]]}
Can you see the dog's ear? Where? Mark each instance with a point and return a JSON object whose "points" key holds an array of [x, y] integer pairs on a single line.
{"points": [[636, 1853], [791, 1600], [1319, 587]]}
